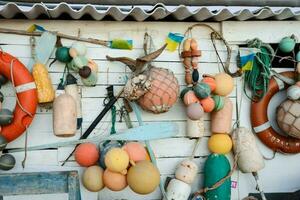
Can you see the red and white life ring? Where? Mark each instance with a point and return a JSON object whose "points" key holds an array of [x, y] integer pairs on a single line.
{"points": [[26, 93], [262, 126]]}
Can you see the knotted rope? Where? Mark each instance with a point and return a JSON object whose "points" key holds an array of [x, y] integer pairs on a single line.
{"points": [[257, 79]]}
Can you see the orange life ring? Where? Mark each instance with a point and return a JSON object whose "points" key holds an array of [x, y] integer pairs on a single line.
{"points": [[26, 94], [262, 126]]}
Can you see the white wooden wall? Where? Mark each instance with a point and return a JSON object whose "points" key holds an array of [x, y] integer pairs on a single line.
{"points": [[280, 174]]}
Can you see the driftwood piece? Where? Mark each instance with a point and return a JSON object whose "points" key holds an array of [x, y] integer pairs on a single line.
{"points": [[137, 66], [61, 35]]}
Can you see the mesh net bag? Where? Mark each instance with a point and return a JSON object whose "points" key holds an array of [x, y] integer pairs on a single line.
{"points": [[288, 117], [163, 92]]}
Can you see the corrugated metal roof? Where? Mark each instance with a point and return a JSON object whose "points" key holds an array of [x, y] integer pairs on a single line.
{"points": [[157, 12]]}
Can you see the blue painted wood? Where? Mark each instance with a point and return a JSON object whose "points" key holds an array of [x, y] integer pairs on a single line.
{"points": [[41, 183], [140, 133]]}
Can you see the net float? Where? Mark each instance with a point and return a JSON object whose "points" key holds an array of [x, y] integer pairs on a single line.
{"points": [[186, 171], [117, 160], [221, 120], [92, 179], [86, 154], [224, 84], [178, 190], [143, 177], [64, 116]]}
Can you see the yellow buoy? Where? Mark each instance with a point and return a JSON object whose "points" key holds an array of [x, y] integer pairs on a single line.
{"points": [[92, 178], [117, 160], [220, 143], [143, 178], [224, 84]]}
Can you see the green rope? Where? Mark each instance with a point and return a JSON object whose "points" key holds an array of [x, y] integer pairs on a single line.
{"points": [[257, 79], [113, 123], [113, 120]]}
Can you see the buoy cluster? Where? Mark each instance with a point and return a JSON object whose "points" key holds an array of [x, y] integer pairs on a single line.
{"points": [[7, 161], [208, 95], [75, 59], [204, 96], [217, 165], [116, 166]]}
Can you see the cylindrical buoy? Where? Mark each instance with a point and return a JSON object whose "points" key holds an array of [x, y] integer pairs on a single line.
{"points": [[71, 88], [186, 171], [178, 190], [64, 116], [195, 128], [217, 167], [221, 120], [249, 157], [43, 83]]}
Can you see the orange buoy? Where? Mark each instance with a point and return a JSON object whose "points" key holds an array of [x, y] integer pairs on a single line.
{"points": [[86, 154], [26, 91]]}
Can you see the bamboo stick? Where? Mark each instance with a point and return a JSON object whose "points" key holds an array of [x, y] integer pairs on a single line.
{"points": [[61, 35]]}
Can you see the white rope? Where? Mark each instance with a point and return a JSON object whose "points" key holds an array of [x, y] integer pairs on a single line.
{"points": [[13, 83]]}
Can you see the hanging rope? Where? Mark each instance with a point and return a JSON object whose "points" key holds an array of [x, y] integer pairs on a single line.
{"points": [[221, 181], [257, 79], [215, 35]]}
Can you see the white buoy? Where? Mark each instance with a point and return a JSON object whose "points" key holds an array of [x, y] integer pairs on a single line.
{"points": [[186, 171], [195, 128], [178, 190]]}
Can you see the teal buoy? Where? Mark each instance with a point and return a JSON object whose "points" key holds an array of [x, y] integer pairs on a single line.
{"points": [[7, 162], [217, 167], [62, 54], [202, 90], [184, 91], [219, 102], [287, 44]]}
